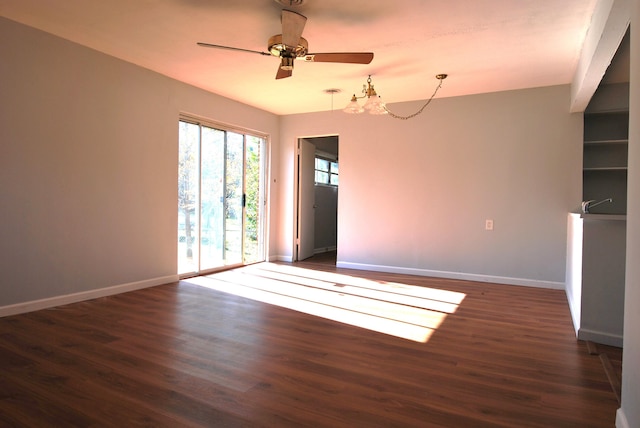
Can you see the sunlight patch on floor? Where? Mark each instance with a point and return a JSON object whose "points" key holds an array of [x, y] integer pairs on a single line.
{"points": [[407, 311], [413, 295]]}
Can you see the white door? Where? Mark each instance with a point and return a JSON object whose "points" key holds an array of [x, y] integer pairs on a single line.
{"points": [[306, 199]]}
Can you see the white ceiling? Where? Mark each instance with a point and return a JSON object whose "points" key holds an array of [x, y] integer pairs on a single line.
{"points": [[484, 45]]}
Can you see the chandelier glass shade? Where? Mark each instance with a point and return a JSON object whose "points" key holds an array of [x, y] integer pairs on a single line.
{"points": [[353, 107]]}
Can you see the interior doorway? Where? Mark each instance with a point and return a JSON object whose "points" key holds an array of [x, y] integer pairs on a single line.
{"points": [[317, 197]]}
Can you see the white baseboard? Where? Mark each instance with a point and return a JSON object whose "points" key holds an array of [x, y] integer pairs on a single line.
{"points": [[277, 258], [324, 250], [621, 419], [35, 305], [454, 275], [600, 337]]}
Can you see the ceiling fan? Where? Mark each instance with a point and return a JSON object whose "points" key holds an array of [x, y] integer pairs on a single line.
{"points": [[291, 45]]}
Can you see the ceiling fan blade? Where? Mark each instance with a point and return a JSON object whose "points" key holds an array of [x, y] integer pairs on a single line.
{"points": [[292, 26], [343, 57], [281, 74], [209, 45]]}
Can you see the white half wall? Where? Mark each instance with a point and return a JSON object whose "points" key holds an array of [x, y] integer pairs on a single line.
{"points": [[573, 275], [88, 167], [415, 194]]}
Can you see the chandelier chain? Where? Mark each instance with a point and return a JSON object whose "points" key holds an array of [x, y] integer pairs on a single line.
{"points": [[395, 116]]}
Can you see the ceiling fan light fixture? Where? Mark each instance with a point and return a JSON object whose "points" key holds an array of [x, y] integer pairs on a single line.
{"points": [[287, 63]]}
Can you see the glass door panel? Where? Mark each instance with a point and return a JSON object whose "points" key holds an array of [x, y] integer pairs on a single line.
{"points": [[254, 200], [188, 192], [221, 200], [212, 201], [234, 188]]}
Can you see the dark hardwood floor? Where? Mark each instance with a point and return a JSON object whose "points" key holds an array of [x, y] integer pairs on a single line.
{"points": [[190, 354], [327, 258]]}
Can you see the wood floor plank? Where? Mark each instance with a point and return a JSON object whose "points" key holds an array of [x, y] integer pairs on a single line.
{"points": [[183, 354]]}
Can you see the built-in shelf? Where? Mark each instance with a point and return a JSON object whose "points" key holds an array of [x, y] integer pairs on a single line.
{"points": [[605, 159]]}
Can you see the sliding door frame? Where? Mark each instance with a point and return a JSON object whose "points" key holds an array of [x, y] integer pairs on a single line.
{"points": [[263, 209]]}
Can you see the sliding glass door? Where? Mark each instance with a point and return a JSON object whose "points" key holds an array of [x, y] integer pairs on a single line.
{"points": [[221, 186]]}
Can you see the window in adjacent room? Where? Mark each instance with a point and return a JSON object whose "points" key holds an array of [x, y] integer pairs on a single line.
{"points": [[326, 171]]}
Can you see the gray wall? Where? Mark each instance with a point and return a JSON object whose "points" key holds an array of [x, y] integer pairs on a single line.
{"points": [[88, 164], [414, 195]]}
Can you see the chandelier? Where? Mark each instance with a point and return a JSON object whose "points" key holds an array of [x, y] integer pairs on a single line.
{"points": [[374, 104]]}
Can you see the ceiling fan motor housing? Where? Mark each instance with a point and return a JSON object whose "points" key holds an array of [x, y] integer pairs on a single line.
{"points": [[279, 49]]}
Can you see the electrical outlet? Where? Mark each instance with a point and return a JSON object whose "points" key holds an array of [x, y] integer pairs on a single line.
{"points": [[488, 224]]}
